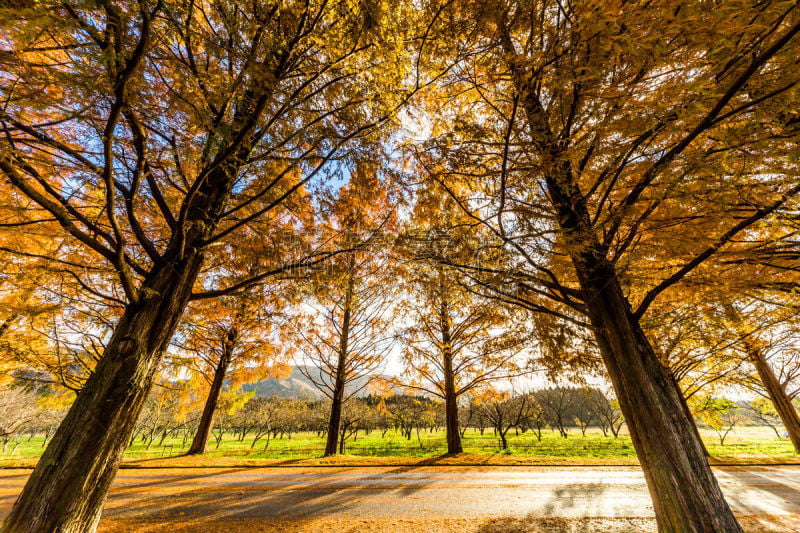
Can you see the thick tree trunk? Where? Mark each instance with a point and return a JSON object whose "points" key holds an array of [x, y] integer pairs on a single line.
{"points": [[334, 421], [451, 409], [207, 418], [67, 489], [777, 394], [689, 416], [686, 496]]}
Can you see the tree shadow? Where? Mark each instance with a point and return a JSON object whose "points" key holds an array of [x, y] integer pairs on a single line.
{"points": [[772, 488], [258, 492]]}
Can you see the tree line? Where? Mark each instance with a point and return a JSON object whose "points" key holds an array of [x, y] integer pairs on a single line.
{"points": [[257, 421]]}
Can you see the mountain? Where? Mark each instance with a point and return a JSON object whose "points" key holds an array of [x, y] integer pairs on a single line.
{"points": [[296, 385]]}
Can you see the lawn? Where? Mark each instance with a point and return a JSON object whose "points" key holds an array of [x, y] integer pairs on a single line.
{"points": [[745, 442]]}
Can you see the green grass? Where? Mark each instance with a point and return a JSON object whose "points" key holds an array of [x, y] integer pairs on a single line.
{"points": [[745, 442]]}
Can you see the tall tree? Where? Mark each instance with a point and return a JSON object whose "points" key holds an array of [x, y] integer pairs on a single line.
{"points": [[763, 349], [152, 132], [227, 343], [347, 335], [456, 342], [602, 147]]}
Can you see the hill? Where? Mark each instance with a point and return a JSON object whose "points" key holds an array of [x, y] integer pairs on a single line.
{"points": [[296, 385]]}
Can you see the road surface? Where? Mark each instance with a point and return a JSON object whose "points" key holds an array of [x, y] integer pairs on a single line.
{"points": [[425, 499]]}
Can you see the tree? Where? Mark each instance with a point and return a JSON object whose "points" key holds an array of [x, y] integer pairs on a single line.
{"points": [[168, 126], [721, 414], [764, 380], [458, 342], [505, 411], [355, 417], [17, 408], [577, 136], [227, 344], [347, 337], [158, 415], [607, 414], [558, 404], [411, 413], [761, 410]]}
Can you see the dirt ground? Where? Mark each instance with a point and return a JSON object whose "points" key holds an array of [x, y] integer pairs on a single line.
{"points": [[751, 524]]}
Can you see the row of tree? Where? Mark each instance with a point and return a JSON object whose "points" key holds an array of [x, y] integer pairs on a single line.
{"points": [[603, 187], [258, 420]]}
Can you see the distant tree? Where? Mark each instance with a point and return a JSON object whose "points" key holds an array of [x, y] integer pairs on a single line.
{"points": [[17, 409], [411, 413], [585, 399], [762, 411], [458, 342], [607, 413], [505, 411], [559, 407], [720, 414], [768, 340], [225, 344], [355, 417], [535, 419], [348, 332]]}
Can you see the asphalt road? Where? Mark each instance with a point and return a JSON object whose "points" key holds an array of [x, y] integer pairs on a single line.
{"points": [[418, 493]]}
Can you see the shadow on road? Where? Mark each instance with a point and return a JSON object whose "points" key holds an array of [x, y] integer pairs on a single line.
{"points": [[262, 492], [762, 486]]}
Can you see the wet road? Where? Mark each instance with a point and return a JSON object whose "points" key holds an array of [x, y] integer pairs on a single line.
{"points": [[418, 492]]}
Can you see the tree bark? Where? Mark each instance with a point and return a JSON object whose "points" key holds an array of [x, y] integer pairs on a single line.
{"points": [[67, 489], [335, 419], [207, 418], [689, 416], [451, 407], [686, 496], [777, 395], [450, 396]]}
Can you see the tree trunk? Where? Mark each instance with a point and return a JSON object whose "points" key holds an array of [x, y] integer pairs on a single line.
{"points": [[68, 487], [689, 415], [686, 496], [451, 410], [339, 380], [775, 391], [334, 422], [450, 397], [777, 395], [207, 419]]}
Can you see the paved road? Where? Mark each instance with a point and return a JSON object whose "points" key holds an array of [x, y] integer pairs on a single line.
{"points": [[414, 492]]}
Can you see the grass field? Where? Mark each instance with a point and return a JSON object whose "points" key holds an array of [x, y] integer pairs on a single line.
{"points": [[745, 442]]}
